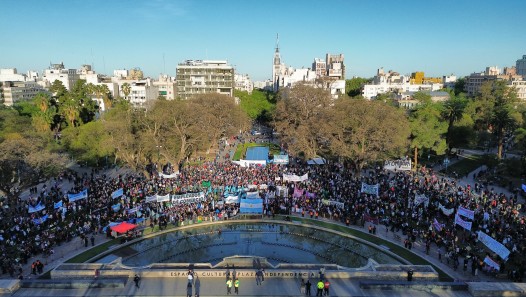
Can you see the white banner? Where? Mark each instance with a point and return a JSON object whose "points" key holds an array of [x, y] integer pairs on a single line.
{"points": [[295, 178], [173, 175], [493, 245], [163, 198], [398, 165], [446, 211], [492, 263], [333, 202], [370, 189], [419, 199], [232, 199], [252, 195], [464, 224], [151, 198], [282, 191], [470, 214], [188, 197]]}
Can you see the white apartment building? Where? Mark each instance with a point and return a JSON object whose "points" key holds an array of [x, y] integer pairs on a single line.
{"points": [[264, 85], [15, 91], [204, 76], [385, 82], [243, 83], [293, 76], [320, 67], [337, 88], [68, 77], [520, 86], [167, 86], [143, 92], [335, 66], [11, 74], [449, 81]]}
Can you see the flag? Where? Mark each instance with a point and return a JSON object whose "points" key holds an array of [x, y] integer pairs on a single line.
{"points": [[470, 214], [58, 204], [40, 220], [437, 225], [464, 224], [524, 187], [206, 184]]}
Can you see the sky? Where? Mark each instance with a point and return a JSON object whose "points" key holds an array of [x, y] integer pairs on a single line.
{"points": [[438, 37]]}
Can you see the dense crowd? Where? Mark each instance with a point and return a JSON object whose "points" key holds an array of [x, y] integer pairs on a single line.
{"points": [[332, 191]]}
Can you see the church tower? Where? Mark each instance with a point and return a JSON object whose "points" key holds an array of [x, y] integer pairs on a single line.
{"points": [[277, 67]]}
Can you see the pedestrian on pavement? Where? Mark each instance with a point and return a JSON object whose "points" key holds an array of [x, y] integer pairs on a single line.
{"points": [[189, 290], [326, 286], [236, 286], [137, 279], [229, 286], [92, 240], [302, 287], [320, 285], [259, 276], [307, 288], [197, 285]]}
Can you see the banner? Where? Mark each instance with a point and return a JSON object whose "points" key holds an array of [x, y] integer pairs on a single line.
{"points": [[78, 196], [297, 192], [295, 178], [282, 191], [492, 263], [446, 211], [252, 195], [188, 197], [398, 165], [151, 198], [173, 175], [232, 199], [117, 193], [333, 202], [437, 225], [162, 198], [251, 206], [370, 189], [36, 208], [40, 220], [206, 184], [470, 214], [419, 199], [281, 159], [58, 204], [493, 245], [464, 224]]}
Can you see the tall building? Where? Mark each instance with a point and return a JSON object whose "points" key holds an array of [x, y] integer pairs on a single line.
{"points": [[204, 76], [475, 80], [521, 66], [335, 66], [278, 68], [166, 86], [320, 67], [142, 92], [20, 91], [68, 77], [11, 74]]}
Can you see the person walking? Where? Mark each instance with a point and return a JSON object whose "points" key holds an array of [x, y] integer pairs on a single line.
{"points": [[92, 240], [137, 279], [236, 286], [229, 286], [197, 283], [307, 288], [302, 287], [320, 285], [189, 290], [259, 277]]}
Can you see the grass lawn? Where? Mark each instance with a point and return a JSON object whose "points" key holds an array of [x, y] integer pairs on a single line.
{"points": [[466, 165], [241, 149], [83, 257]]}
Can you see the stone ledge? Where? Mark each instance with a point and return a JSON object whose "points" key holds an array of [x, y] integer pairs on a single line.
{"points": [[480, 289], [75, 283], [426, 285], [9, 285]]}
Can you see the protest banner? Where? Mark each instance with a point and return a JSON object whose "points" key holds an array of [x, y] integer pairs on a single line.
{"points": [[493, 245], [464, 224], [492, 263], [470, 214], [398, 165], [78, 196], [117, 193], [295, 178], [419, 199], [37, 208], [370, 189]]}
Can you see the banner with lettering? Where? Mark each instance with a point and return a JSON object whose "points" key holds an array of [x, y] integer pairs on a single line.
{"points": [[470, 214], [151, 198], [36, 208], [398, 165], [295, 178], [162, 198], [419, 199], [464, 224], [333, 202], [117, 193], [78, 196], [251, 206], [492, 263], [446, 211], [493, 245], [188, 197], [173, 175], [370, 189]]}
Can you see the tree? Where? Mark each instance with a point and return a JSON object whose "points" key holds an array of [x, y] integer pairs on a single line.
{"points": [[301, 117], [452, 112], [459, 86], [58, 89], [353, 86], [427, 129], [366, 131], [126, 90], [258, 105]]}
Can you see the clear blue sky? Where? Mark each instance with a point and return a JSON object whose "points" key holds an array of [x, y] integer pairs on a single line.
{"points": [[438, 37]]}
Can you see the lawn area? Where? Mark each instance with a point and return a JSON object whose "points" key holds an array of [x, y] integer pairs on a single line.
{"points": [[85, 256], [466, 165], [241, 149]]}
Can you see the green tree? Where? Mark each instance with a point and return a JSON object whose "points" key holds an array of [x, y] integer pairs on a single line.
{"points": [[258, 106], [452, 112], [126, 90], [353, 86], [427, 129], [459, 86], [366, 131], [58, 89]]}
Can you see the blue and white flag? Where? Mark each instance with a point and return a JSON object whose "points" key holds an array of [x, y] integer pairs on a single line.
{"points": [[492, 263], [78, 196], [464, 224], [58, 204], [370, 189], [437, 225], [117, 193], [524, 187], [40, 220], [36, 208], [116, 207], [493, 245], [251, 206], [470, 214]]}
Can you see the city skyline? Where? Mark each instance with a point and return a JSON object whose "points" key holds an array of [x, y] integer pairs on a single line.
{"points": [[437, 38]]}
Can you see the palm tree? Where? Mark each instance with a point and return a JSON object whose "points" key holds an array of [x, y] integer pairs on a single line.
{"points": [[42, 102], [126, 90], [70, 111], [452, 112]]}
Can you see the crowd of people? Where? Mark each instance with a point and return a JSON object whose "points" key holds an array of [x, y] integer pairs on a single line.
{"points": [[332, 191]]}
